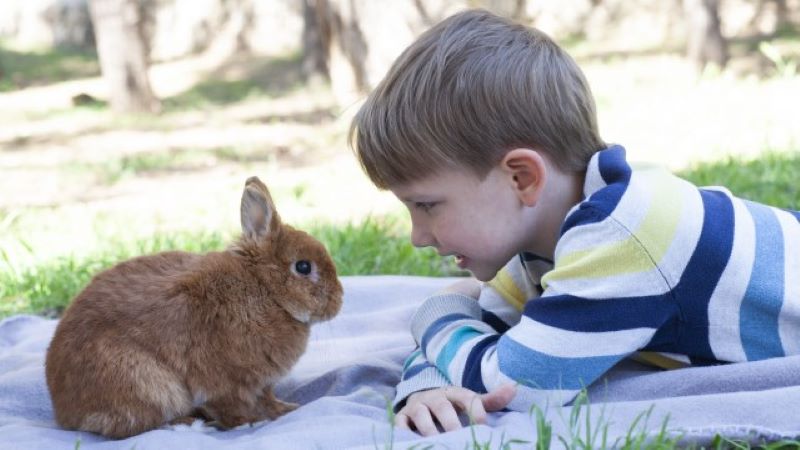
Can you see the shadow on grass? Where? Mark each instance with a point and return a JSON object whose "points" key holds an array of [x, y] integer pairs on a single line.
{"points": [[19, 70], [240, 78], [771, 178]]}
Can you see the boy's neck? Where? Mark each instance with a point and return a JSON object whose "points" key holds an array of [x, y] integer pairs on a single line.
{"points": [[564, 190]]}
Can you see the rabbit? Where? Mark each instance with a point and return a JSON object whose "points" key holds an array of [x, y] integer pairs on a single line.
{"points": [[165, 338]]}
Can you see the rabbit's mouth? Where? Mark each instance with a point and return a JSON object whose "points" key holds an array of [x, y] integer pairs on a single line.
{"points": [[300, 316]]}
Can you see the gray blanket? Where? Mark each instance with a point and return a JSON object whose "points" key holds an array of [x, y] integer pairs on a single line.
{"points": [[348, 374]]}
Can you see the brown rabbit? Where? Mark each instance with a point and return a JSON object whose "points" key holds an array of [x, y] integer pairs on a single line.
{"points": [[159, 339]]}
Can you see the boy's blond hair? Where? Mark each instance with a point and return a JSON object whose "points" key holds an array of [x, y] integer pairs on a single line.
{"points": [[468, 90]]}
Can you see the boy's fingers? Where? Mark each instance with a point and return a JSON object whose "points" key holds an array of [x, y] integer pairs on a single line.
{"points": [[422, 420], [469, 402], [446, 415], [499, 398], [402, 421]]}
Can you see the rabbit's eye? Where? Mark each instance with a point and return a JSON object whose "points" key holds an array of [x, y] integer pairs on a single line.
{"points": [[302, 267]]}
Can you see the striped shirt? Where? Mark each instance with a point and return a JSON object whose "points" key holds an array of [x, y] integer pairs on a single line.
{"points": [[646, 262]]}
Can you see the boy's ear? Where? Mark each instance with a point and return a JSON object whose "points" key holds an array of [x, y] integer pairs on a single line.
{"points": [[527, 172]]}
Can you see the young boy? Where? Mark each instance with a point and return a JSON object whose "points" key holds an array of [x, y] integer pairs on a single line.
{"points": [[486, 131]]}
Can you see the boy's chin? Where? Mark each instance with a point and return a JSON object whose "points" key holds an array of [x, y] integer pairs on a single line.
{"points": [[483, 274]]}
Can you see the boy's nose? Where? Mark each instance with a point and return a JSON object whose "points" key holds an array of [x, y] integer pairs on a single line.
{"points": [[420, 237]]}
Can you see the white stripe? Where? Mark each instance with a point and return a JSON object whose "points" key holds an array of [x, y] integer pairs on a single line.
{"points": [[594, 181], [676, 356], [491, 376], [491, 300], [789, 319], [577, 344], [638, 198], [724, 306], [526, 398], [630, 211], [588, 236], [439, 340]]}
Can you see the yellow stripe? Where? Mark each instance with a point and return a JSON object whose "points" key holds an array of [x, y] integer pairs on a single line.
{"points": [[658, 360], [505, 285], [655, 234]]}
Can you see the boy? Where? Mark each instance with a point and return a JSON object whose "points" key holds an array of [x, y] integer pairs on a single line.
{"points": [[486, 131]]}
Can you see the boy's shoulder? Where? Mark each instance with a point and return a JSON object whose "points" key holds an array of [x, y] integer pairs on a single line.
{"points": [[614, 187]]}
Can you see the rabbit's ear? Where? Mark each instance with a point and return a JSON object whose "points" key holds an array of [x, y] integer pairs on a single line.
{"points": [[259, 217]]}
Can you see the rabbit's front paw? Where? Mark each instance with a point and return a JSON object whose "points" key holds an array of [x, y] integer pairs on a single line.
{"points": [[276, 408]]}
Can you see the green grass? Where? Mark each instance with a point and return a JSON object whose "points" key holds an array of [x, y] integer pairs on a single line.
{"points": [[374, 246], [48, 287], [19, 70], [772, 178]]}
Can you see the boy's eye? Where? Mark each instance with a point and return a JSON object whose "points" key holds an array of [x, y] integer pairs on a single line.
{"points": [[424, 206]]}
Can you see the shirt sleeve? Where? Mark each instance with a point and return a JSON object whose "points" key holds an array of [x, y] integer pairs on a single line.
{"points": [[501, 301], [598, 306], [418, 375]]}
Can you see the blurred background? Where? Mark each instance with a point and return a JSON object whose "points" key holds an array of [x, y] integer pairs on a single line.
{"points": [[129, 126]]}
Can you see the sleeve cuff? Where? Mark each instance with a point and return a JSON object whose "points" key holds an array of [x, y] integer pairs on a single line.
{"points": [[439, 306], [429, 378]]}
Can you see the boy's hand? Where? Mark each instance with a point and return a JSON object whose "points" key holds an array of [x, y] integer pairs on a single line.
{"points": [[424, 409], [469, 287]]}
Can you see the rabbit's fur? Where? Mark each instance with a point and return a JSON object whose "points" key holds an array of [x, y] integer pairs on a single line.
{"points": [[163, 338]]}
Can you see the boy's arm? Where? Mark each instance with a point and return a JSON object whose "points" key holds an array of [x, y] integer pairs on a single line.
{"points": [[585, 322], [501, 301]]}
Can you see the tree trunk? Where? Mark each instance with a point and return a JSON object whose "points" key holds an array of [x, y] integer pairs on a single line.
{"points": [[335, 43], [353, 42], [706, 43], [316, 39], [120, 28]]}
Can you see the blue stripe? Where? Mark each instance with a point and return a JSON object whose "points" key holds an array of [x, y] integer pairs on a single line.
{"points": [[665, 337], [493, 321], [796, 214], [699, 362], [702, 273], [411, 358], [578, 314], [761, 305], [542, 371], [472, 378], [616, 173], [456, 340], [584, 215], [413, 370], [613, 166], [436, 326]]}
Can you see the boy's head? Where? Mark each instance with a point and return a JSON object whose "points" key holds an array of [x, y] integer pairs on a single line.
{"points": [[466, 92]]}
